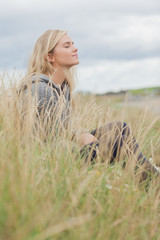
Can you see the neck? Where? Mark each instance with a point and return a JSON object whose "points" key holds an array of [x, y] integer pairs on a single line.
{"points": [[58, 77]]}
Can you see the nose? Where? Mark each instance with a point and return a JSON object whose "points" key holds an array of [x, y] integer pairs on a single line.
{"points": [[75, 49]]}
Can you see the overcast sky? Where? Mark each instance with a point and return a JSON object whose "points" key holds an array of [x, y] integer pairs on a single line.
{"points": [[118, 41]]}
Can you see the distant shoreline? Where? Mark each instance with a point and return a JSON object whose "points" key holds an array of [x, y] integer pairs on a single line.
{"points": [[143, 92]]}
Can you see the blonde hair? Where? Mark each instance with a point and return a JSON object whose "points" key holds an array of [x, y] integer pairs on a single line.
{"points": [[44, 45]]}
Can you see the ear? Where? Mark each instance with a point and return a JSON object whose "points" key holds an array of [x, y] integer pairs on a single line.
{"points": [[50, 58]]}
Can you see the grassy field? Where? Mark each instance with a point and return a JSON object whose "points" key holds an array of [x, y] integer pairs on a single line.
{"points": [[48, 192], [146, 91]]}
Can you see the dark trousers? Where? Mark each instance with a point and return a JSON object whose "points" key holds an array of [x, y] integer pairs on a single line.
{"points": [[114, 137], [111, 139]]}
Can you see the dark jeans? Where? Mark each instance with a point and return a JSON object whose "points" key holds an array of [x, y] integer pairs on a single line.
{"points": [[111, 139]]}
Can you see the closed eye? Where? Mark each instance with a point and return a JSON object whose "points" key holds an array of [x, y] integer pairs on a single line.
{"points": [[68, 44]]}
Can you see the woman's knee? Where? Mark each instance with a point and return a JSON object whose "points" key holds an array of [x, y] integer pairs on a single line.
{"points": [[115, 128], [123, 126], [122, 129]]}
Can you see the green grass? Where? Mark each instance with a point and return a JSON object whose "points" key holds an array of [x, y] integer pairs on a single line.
{"points": [[145, 91], [47, 191]]}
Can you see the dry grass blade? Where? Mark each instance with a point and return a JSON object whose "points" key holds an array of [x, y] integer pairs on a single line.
{"points": [[71, 223]]}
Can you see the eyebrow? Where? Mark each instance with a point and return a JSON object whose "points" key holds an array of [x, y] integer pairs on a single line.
{"points": [[68, 43]]}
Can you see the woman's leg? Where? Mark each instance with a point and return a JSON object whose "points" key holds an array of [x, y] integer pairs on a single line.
{"points": [[112, 138], [115, 136]]}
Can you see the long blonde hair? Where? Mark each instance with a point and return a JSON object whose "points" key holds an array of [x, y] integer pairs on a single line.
{"points": [[38, 63]]}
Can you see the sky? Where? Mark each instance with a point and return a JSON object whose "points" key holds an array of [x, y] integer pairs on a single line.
{"points": [[118, 41]]}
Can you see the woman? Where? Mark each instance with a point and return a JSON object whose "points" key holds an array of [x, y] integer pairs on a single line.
{"points": [[51, 81]]}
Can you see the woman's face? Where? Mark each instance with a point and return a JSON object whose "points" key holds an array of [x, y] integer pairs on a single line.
{"points": [[65, 53]]}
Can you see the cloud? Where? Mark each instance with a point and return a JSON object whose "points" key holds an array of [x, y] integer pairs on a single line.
{"points": [[88, 7], [130, 37], [119, 75], [115, 32]]}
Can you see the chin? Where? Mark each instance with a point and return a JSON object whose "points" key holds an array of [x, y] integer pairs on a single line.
{"points": [[74, 64], [77, 62]]}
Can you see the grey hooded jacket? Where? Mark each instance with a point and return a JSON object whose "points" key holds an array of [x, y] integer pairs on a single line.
{"points": [[52, 102]]}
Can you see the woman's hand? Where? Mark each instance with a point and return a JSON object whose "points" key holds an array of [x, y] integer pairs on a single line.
{"points": [[86, 138]]}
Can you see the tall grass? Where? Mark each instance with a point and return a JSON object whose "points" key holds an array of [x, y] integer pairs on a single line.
{"points": [[47, 190]]}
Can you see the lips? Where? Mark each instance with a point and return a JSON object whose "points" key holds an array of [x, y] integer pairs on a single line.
{"points": [[76, 55]]}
